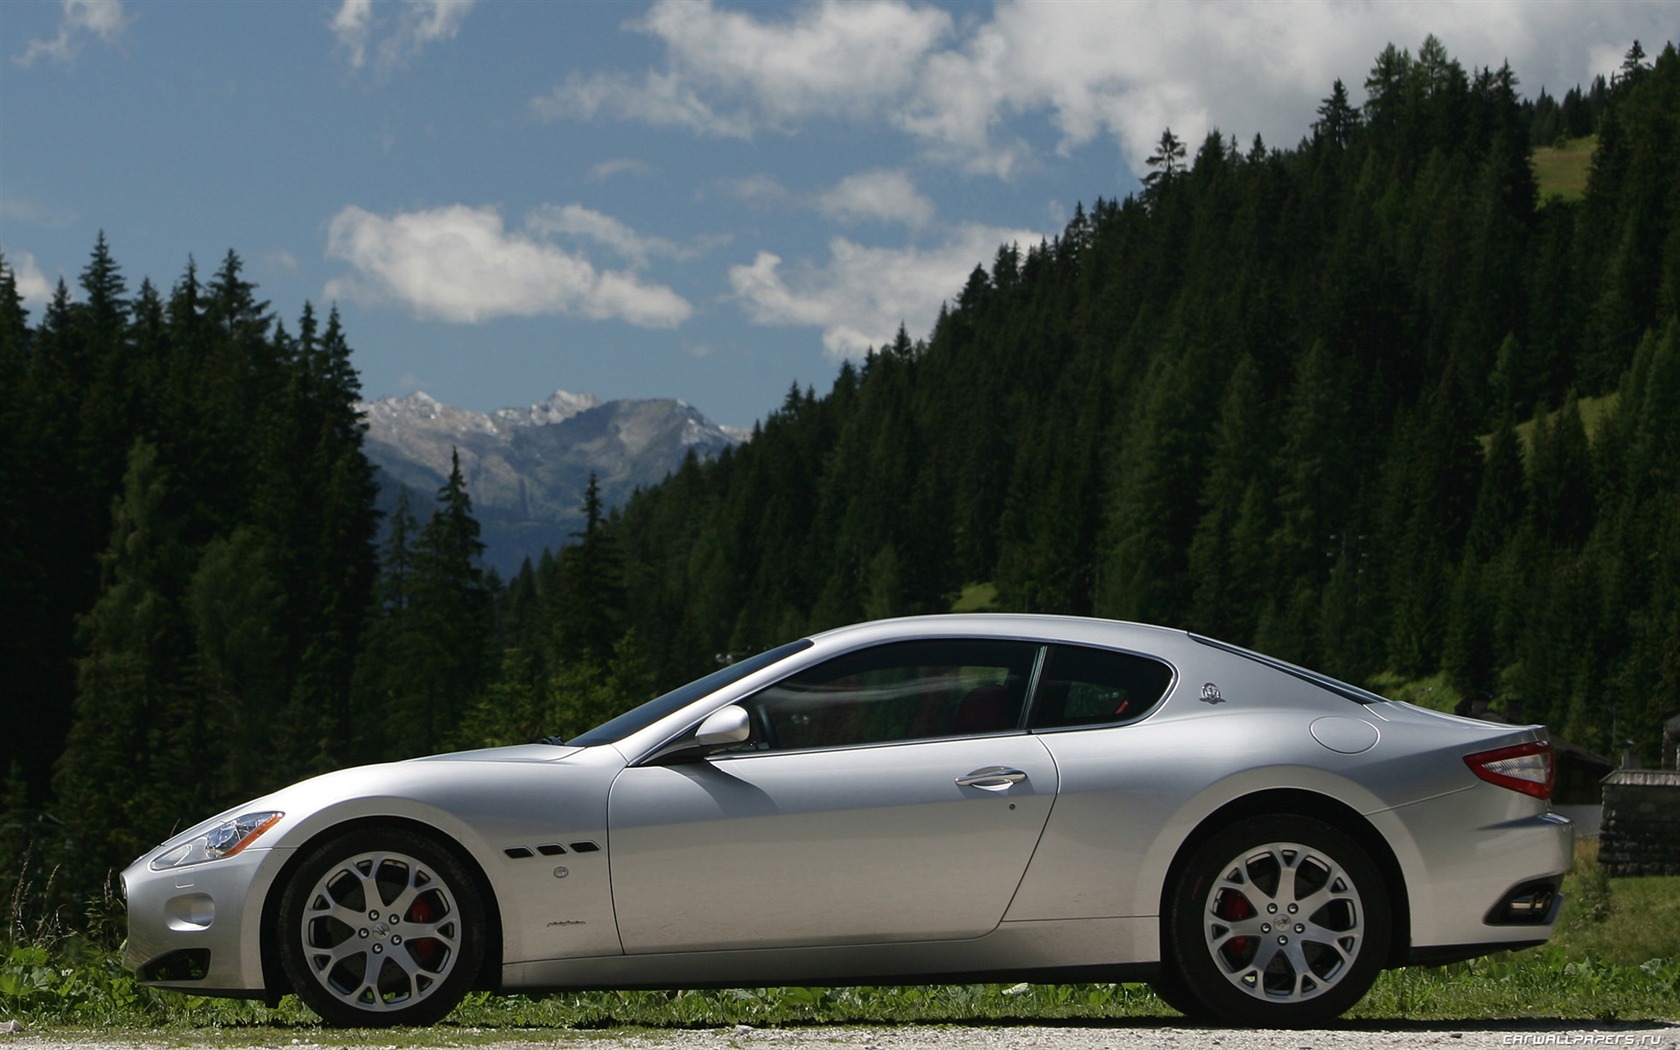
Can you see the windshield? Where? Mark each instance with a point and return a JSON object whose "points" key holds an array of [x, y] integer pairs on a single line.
{"points": [[660, 706]]}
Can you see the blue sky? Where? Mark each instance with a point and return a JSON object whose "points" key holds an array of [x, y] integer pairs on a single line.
{"points": [[699, 200]]}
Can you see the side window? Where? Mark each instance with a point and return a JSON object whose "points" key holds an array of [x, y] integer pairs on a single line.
{"points": [[1084, 687], [902, 691]]}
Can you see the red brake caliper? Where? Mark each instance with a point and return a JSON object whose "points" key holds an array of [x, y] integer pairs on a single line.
{"points": [[1234, 907], [425, 950]]}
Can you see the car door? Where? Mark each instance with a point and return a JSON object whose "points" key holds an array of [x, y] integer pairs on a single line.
{"points": [[887, 795]]}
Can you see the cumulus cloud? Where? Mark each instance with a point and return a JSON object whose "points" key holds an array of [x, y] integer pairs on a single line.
{"points": [[730, 74], [391, 42], [574, 220], [460, 264], [877, 196], [861, 295], [80, 20], [32, 284], [968, 92]]}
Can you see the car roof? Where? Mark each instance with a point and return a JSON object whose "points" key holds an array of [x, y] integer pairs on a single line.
{"points": [[1025, 626]]}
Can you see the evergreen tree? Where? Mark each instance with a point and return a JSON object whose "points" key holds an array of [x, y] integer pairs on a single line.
{"points": [[129, 703], [1165, 164], [1337, 119], [446, 627]]}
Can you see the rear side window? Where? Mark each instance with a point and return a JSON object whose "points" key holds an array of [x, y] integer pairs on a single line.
{"points": [[1087, 687]]}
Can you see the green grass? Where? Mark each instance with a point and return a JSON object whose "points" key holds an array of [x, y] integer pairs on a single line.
{"points": [[1561, 171], [1593, 411], [1613, 957], [1433, 692], [976, 597]]}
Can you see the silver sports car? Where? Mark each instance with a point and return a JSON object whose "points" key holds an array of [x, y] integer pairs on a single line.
{"points": [[945, 798]]}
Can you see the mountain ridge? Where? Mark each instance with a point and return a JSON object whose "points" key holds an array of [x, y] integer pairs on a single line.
{"points": [[526, 468]]}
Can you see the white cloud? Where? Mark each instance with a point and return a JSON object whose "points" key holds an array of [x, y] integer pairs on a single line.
{"points": [[968, 91], [660, 99], [32, 284], [831, 59], [353, 24], [392, 42], [79, 20], [877, 196], [861, 295], [459, 264], [19, 209], [574, 220], [759, 191], [611, 169]]}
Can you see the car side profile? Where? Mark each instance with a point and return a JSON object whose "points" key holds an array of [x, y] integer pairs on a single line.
{"points": [[930, 799]]}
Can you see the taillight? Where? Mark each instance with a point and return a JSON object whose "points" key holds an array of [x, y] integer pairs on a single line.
{"points": [[1526, 767]]}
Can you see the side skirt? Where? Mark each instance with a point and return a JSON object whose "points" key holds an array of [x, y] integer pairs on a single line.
{"points": [[1110, 949]]}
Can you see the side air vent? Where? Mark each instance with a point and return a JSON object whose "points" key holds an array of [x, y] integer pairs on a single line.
{"points": [[551, 849], [518, 852], [585, 847]]}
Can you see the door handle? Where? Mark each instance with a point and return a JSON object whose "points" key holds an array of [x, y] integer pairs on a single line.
{"points": [[992, 778]]}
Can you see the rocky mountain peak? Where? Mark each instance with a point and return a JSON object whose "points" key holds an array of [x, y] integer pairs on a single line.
{"points": [[526, 468]]}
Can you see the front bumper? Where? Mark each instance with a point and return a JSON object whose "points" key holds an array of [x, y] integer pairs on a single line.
{"points": [[199, 929]]}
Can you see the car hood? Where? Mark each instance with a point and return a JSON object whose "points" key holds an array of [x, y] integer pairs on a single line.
{"points": [[511, 753], [300, 800]]}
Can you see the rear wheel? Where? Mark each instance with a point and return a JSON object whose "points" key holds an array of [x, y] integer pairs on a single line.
{"points": [[1170, 988], [1279, 921], [381, 928]]}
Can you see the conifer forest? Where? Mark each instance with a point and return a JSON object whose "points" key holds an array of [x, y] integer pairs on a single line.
{"points": [[1374, 402]]}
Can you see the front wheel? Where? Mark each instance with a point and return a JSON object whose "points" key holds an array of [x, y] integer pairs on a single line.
{"points": [[1279, 921], [381, 928]]}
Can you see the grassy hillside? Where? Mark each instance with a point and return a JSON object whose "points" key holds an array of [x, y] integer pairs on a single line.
{"points": [[1561, 171]]}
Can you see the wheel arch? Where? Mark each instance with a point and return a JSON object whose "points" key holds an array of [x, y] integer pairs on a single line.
{"points": [[274, 975], [1318, 806]]}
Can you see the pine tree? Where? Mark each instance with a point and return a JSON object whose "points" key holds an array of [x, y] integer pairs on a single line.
{"points": [[1337, 119], [128, 701], [1165, 164], [446, 630]]}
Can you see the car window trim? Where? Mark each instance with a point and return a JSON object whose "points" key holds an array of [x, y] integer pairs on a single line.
{"points": [[914, 741], [1040, 646]]}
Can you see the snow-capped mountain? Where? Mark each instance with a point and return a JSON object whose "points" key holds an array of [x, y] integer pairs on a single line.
{"points": [[526, 468]]}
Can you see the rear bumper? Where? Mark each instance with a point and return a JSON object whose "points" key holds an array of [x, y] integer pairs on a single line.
{"points": [[1474, 862]]}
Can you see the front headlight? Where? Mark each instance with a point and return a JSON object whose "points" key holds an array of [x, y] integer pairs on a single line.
{"points": [[223, 840]]}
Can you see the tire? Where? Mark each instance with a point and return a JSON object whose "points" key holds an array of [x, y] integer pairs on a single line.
{"points": [[380, 928], [1279, 922], [1169, 986]]}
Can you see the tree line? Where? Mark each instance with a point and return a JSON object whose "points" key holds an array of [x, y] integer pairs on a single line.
{"points": [[1369, 403]]}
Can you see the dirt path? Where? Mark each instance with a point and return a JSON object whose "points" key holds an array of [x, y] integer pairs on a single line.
{"points": [[1478, 1034]]}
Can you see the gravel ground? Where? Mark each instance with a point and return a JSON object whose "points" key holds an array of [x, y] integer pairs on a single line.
{"points": [[1399, 1036]]}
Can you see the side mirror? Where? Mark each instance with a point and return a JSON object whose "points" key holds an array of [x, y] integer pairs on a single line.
{"points": [[722, 728], [725, 726]]}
